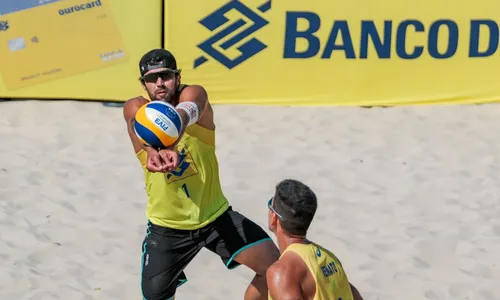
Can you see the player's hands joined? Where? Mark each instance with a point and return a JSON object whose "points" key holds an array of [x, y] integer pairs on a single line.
{"points": [[163, 161], [170, 159], [154, 163]]}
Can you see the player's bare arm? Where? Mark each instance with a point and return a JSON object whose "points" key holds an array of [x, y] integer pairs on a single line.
{"points": [[198, 95], [130, 108], [284, 282]]}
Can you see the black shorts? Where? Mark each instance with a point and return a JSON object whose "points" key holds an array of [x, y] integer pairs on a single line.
{"points": [[166, 252]]}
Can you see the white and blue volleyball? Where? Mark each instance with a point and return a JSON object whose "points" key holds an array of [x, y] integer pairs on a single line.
{"points": [[157, 124]]}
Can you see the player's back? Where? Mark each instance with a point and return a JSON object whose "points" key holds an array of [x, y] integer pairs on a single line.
{"points": [[191, 196], [326, 270]]}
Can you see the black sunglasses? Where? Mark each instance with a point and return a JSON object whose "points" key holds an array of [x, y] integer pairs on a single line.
{"points": [[153, 77]]}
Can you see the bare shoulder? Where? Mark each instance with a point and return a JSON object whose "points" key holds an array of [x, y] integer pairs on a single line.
{"points": [[289, 268], [132, 105], [136, 101], [285, 276], [194, 89], [276, 270], [276, 276], [195, 92]]}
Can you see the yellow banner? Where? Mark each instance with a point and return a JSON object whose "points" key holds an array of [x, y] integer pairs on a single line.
{"points": [[75, 48], [338, 52]]}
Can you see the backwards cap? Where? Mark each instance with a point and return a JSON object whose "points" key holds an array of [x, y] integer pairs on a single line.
{"points": [[157, 59]]}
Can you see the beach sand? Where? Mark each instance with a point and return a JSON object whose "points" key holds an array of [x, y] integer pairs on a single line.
{"points": [[408, 197]]}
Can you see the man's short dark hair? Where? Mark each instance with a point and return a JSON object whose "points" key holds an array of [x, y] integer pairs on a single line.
{"points": [[297, 204]]}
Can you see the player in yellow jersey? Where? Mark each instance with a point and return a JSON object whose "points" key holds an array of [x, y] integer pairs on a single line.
{"points": [[186, 209], [305, 270]]}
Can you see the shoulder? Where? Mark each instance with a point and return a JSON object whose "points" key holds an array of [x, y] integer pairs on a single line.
{"points": [[286, 274], [277, 275], [277, 271], [193, 90], [290, 264], [139, 100], [132, 105]]}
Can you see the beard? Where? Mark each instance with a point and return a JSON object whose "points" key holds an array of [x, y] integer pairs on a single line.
{"points": [[168, 97]]}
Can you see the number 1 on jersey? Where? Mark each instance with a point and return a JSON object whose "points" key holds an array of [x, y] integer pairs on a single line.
{"points": [[185, 188]]}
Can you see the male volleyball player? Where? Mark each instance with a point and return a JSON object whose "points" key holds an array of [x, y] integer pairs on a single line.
{"points": [[305, 270], [187, 209]]}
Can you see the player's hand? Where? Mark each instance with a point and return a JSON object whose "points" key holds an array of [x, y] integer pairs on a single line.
{"points": [[170, 159], [155, 162]]}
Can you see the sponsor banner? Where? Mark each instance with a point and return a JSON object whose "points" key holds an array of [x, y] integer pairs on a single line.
{"points": [[75, 48], [337, 52]]}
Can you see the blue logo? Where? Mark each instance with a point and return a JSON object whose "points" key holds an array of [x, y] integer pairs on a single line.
{"points": [[4, 25], [233, 33], [185, 169], [318, 252]]}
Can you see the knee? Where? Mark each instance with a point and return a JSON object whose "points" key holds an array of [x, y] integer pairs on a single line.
{"points": [[157, 288]]}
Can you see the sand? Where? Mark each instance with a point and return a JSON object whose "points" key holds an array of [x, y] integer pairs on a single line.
{"points": [[408, 197]]}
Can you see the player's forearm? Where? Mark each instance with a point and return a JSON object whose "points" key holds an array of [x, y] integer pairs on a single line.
{"points": [[129, 110], [148, 149], [184, 117]]}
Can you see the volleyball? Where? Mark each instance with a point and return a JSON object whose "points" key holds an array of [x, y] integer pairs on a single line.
{"points": [[157, 124]]}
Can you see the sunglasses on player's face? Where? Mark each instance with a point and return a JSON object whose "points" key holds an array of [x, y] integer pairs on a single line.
{"points": [[153, 77], [270, 206]]}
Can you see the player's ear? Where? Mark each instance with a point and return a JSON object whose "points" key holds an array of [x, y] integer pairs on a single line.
{"points": [[178, 79], [274, 221]]}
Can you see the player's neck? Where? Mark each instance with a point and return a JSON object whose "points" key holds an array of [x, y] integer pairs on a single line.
{"points": [[285, 240]]}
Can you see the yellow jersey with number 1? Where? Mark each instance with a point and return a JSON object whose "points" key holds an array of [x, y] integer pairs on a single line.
{"points": [[326, 269], [189, 197]]}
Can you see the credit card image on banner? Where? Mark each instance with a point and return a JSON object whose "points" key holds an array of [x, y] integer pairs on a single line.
{"points": [[43, 40]]}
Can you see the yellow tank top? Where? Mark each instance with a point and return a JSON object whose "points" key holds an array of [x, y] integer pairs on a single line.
{"points": [[326, 269], [189, 197]]}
